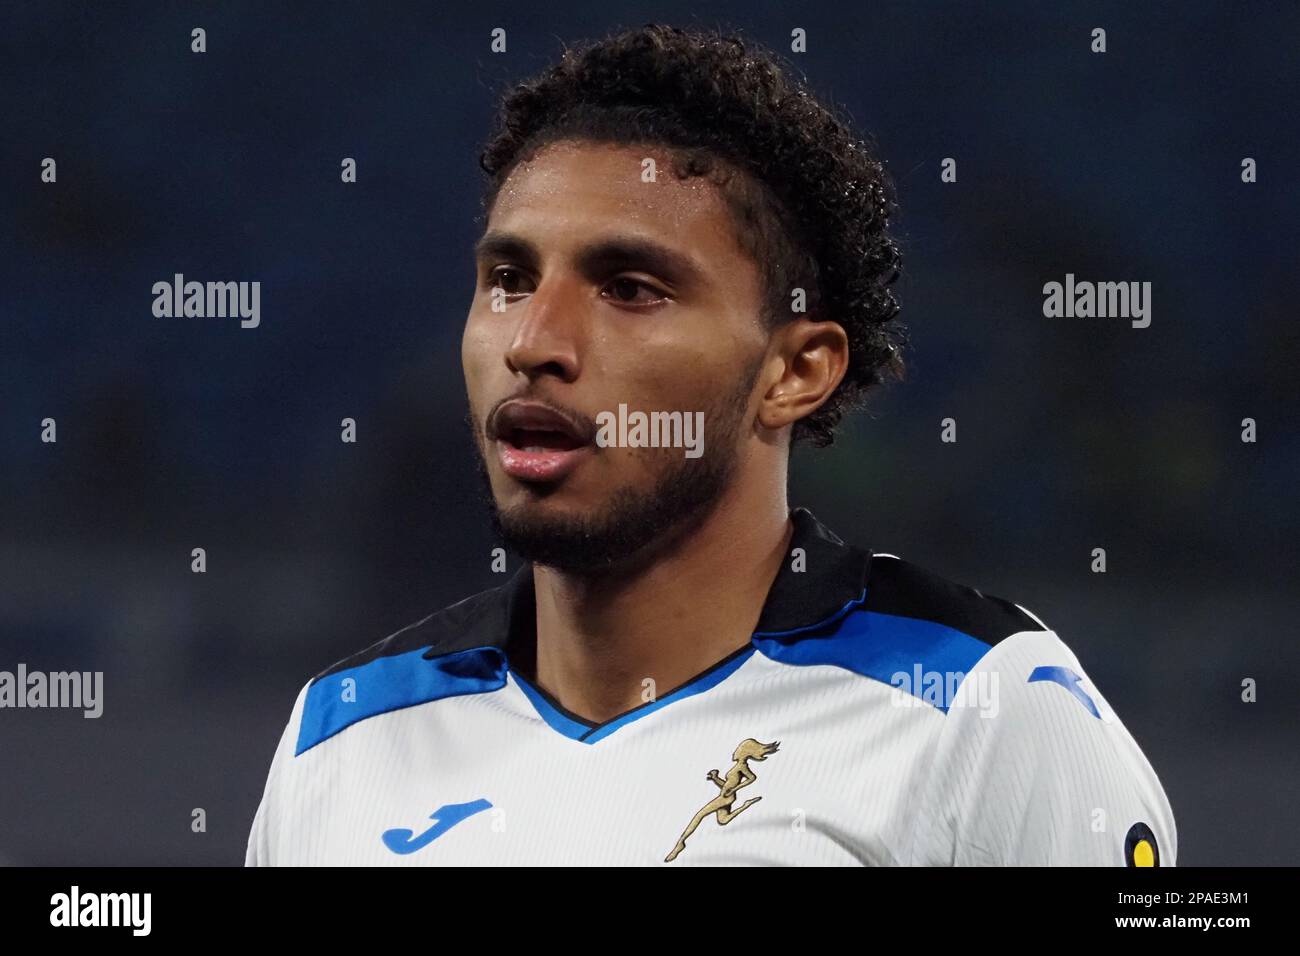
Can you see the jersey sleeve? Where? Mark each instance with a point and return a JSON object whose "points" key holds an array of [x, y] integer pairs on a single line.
{"points": [[261, 848], [1034, 768]]}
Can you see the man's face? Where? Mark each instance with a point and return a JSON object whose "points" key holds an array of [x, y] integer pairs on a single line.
{"points": [[609, 291]]}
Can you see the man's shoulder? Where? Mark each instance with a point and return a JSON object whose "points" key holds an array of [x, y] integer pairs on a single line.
{"points": [[993, 646], [468, 623], [896, 588], [449, 653], [909, 627]]}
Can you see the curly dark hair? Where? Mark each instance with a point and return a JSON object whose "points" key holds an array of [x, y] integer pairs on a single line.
{"points": [[813, 210]]}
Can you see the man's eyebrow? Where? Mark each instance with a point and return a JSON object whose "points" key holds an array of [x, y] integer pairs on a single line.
{"points": [[633, 252], [599, 257], [505, 245]]}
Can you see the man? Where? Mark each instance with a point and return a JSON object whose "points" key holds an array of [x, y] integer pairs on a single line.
{"points": [[686, 268]]}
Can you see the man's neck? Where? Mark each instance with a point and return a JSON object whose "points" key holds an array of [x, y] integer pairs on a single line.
{"points": [[599, 642]]}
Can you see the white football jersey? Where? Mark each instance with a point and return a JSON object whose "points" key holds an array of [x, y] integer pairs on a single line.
{"points": [[880, 715]]}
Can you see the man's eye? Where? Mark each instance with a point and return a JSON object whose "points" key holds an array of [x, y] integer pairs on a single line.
{"points": [[626, 290], [508, 280]]}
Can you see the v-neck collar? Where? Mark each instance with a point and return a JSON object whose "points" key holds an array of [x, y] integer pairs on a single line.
{"points": [[820, 580]]}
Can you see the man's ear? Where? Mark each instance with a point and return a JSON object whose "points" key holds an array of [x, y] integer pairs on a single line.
{"points": [[810, 359]]}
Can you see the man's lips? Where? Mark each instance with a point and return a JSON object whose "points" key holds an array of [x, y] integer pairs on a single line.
{"points": [[538, 464], [536, 442]]}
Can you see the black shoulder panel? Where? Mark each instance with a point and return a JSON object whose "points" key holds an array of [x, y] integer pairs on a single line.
{"points": [[904, 589], [474, 622]]}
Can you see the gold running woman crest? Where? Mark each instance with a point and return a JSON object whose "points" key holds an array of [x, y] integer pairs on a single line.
{"points": [[738, 776]]}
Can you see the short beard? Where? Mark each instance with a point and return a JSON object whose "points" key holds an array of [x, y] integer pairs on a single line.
{"points": [[635, 525]]}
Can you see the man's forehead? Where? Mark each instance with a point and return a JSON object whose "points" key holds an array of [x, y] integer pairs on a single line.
{"points": [[587, 180]]}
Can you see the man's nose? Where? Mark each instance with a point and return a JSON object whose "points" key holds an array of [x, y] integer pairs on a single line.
{"points": [[548, 337]]}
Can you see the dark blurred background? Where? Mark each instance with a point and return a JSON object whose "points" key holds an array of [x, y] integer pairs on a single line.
{"points": [[183, 433]]}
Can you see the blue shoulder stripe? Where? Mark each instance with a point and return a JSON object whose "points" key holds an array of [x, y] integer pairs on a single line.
{"points": [[391, 683], [883, 646], [1070, 681]]}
